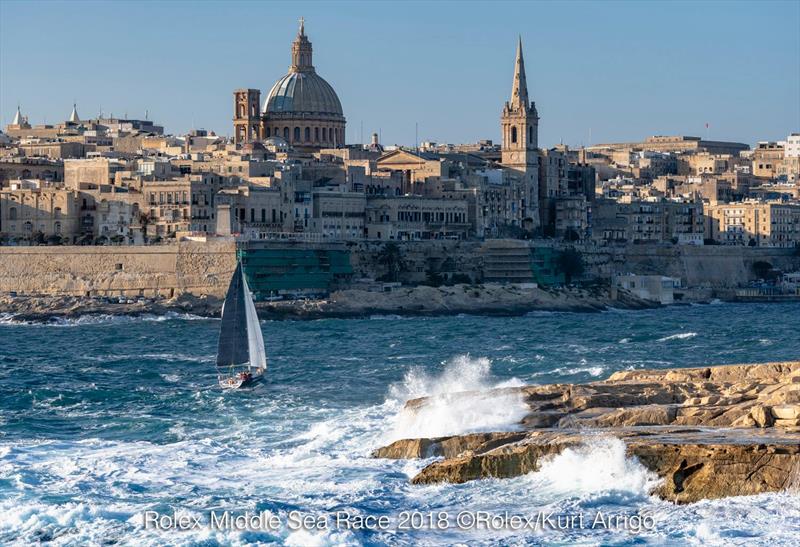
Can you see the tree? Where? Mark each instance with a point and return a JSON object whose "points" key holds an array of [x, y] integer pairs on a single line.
{"points": [[54, 239], [752, 242], [392, 259], [570, 262], [37, 238], [117, 239]]}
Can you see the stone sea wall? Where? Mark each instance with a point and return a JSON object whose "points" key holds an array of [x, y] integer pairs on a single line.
{"points": [[199, 269], [697, 266], [166, 270]]}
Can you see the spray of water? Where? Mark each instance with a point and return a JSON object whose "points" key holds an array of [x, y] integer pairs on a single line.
{"points": [[462, 399]]}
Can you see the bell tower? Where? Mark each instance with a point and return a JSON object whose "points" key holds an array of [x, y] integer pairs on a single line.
{"points": [[520, 121], [246, 115], [519, 154]]}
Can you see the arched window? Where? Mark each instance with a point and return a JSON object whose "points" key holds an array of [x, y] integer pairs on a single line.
{"points": [[57, 212], [325, 134], [316, 134], [266, 132], [12, 213], [308, 134], [296, 134], [57, 227], [28, 226], [286, 134], [530, 135], [513, 134]]}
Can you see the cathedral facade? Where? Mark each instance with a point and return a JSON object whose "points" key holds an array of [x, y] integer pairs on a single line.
{"points": [[301, 107]]}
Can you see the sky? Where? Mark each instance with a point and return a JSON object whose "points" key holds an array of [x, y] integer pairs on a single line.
{"points": [[598, 71]]}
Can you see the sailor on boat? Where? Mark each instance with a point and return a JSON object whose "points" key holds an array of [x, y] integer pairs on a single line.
{"points": [[241, 359]]}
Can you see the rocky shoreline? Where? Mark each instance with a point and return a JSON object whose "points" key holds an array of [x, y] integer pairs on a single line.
{"points": [[488, 299], [707, 432]]}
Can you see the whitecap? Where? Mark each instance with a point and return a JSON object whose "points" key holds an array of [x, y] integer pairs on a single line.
{"points": [[679, 336]]}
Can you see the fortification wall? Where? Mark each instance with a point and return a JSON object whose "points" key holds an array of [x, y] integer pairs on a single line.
{"points": [[204, 268], [167, 270], [703, 266]]}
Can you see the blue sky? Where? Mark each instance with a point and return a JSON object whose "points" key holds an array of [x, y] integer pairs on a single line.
{"points": [[598, 71]]}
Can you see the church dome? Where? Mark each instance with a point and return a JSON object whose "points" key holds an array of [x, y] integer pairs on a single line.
{"points": [[302, 93]]}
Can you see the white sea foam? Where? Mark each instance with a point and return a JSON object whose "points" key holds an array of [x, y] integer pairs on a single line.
{"points": [[599, 465], [679, 336], [463, 398], [98, 319]]}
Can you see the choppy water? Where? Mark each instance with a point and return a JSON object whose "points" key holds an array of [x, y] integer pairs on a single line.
{"points": [[102, 419]]}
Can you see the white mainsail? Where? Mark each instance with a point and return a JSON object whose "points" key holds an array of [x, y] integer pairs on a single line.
{"points": [[255, 340]]}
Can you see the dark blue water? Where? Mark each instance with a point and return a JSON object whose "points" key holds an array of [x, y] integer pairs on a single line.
{"points": [[102, 419]]}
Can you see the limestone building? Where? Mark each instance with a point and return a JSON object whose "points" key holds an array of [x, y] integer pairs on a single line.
{"points": [[301, 108], [754, 223]]}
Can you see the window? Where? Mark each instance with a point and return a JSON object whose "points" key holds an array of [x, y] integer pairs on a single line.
{"points": [[325, 134], [513, 134], [296, 134], [316, 134], [308, 134], [12, 213], [57, 227], [286, 134]]}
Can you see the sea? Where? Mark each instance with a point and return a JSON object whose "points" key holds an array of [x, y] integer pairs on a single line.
{"points": [[113, 431]]}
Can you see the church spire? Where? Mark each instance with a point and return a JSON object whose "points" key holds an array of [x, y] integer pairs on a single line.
{"points": [[74, 116], [17, 117], [519, 91]]}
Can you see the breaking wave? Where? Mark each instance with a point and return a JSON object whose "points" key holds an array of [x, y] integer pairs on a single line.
{"points": [[462, 399], [98, 319], [599, 465]]}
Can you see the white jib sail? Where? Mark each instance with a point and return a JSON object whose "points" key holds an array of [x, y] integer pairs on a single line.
{"points": [[255, 341]]}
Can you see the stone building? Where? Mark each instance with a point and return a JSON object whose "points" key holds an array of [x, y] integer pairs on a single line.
{"points": [[301, 108], [648, 221], [26, 168], [767, 159], [28, 211], [251, 210], [754, 223], [181, 205], [675, 144], [416, 218]]}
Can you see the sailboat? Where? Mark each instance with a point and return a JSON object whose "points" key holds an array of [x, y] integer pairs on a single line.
{"points": [[241, 358]]}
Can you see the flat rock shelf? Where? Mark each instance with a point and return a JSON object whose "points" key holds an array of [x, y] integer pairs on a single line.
{"points": [[708, 432]]}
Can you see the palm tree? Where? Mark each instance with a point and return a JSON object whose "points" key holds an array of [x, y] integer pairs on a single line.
{"points": [[392, 258]]}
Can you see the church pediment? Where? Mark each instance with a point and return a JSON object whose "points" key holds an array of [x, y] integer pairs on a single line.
{"points": [[400, 159]]}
